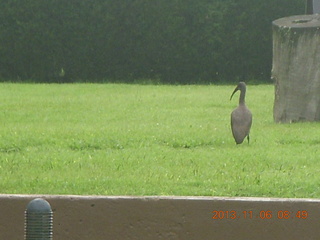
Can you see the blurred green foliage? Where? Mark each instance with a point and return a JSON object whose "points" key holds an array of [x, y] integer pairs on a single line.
{"points": [[171, 41]]}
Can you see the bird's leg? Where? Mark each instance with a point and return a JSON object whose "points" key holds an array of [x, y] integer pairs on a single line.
{"points": [[248, 138]]}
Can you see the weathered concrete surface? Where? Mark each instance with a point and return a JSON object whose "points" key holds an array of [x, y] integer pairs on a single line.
{"points": [[94, 218], [296, 68]]}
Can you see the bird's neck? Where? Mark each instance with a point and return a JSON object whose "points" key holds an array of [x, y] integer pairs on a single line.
{"points": [[242, 97]]}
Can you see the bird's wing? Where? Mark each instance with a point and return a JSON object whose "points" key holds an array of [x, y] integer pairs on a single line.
{"points": [[241, 121]]}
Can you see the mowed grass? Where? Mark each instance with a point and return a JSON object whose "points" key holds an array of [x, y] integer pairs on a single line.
{"points": [[115, 139]]}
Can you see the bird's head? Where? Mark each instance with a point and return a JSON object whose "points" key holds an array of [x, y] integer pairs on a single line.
{"points": [[241, 86]]}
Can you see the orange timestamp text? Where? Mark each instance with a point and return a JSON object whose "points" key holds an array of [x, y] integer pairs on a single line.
{"points": [[263, 214]]}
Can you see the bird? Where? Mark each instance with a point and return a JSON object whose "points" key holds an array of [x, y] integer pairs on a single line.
{"points": [[241, 117]]}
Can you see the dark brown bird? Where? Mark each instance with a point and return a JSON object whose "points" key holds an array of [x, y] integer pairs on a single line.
{"points": [[241, 117]]}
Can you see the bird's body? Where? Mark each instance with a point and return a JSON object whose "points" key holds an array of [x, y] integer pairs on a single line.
{"points": [[241, 117]]}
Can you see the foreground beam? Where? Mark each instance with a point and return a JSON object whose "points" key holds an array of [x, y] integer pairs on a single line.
{"points": [[99, 217]]}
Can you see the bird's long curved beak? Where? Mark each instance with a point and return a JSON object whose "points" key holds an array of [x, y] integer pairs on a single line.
{"points": [[234, 92]]}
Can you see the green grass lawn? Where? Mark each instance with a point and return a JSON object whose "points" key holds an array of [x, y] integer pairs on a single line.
{"points": [[114, 139]]}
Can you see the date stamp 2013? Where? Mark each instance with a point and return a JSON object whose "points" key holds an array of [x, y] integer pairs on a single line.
{"points": [[263, 214]]}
